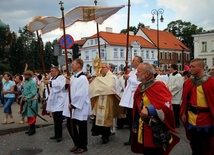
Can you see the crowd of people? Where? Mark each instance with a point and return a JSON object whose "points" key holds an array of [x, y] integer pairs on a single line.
{"points": [[151, 102]]}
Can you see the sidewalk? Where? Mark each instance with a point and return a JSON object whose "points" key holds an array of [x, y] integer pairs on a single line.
{"points": [[16, 127]]}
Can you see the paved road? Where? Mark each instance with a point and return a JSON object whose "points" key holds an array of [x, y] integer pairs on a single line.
{"points": [[17, 142]]}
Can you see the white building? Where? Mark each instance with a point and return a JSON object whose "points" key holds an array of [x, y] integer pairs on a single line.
{"points": [[144, 44], [204, 47], [113, 50]]}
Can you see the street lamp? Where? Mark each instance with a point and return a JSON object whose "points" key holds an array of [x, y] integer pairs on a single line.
{"points": [[157, 13]]}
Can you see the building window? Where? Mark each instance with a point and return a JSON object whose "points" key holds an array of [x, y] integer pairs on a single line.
{"points": [[86, 55], [121, 67], [102, 54], [204, 46], [205, 61], [212, 46], [188, 57], [213, 61], [91, 41], [147, 54], [170, 56], [122, 55], [179, 56], [142, 54], [129, 53], [160, 55], [115, 53], [135, 52], [153, 55], [96, 41], [116, 69], [166, 56]]}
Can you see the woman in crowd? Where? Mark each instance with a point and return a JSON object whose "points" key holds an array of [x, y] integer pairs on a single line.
{"points": [[9, 97], [19, 88]]}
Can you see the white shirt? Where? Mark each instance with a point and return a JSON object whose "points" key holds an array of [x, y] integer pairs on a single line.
{"points": [[56, 98], [132, 84], [175, 85], [80, 98]]}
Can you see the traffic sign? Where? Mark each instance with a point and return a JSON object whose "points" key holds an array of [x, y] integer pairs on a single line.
{"points": [[156, 63], [69, 41]]}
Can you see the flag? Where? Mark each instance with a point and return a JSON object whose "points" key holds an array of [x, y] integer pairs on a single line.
{"points": [[81, 13]]}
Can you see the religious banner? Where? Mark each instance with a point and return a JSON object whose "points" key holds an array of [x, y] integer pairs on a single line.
{"points": [[81, 13]]}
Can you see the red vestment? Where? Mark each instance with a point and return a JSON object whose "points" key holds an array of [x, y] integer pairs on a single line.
{"points": [[208, 88], [160, 97]]}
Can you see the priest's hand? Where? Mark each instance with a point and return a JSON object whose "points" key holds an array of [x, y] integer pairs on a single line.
{"points": [[46, 81], [144, 112], [69, 106], [126, 76], [67, 81]]}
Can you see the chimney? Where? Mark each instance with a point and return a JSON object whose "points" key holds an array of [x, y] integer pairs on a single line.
{"points": [[109, 29], [131, 33], [148, 27]]}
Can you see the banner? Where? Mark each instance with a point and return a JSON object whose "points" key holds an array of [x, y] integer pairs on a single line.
{"points": [[78, 14]]}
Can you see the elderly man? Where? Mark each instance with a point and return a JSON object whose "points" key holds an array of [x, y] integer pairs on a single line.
{"points": [[104, 102], [56, 100], [197, 109], [30, 104], [153, 116], [127, 98]]}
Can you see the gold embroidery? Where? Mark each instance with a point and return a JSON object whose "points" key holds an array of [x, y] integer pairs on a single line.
{"points": [[88, 14]]}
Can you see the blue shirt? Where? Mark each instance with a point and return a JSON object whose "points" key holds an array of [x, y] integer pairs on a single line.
{"points": [[7, 86]]}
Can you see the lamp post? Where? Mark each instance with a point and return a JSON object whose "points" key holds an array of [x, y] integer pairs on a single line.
{"points": [[157, 13]]}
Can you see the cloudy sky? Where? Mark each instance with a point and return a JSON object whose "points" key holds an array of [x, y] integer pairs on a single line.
{"points": [[18, 13]]}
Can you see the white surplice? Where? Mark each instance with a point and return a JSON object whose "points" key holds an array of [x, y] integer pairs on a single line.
{"points": [[56, 98], [80, 99], [128, 94]]}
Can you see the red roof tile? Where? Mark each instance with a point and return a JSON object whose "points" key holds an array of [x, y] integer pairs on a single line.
{"points": [[166, 39], [80, 42], [120, 39]]}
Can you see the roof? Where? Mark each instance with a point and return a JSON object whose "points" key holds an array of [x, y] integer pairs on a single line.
{"points": [[166, 39], [80, 42], [121, 39]]}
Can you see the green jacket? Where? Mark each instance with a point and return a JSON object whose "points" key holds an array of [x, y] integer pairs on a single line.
{"points": [[30, 93]]}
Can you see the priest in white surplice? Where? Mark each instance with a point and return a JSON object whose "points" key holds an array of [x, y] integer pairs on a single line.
{"points": [[80, 106], [56, 100], [105, 103], [127, 97]]}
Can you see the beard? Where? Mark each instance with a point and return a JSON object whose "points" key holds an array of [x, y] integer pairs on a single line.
{"points": [[142, 79]]}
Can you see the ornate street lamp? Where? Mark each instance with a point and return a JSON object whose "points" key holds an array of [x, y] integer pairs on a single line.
{"points": [[157, 13]]}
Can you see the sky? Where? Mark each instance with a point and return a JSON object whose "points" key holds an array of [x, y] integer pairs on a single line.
{"points": [[18, 13]]}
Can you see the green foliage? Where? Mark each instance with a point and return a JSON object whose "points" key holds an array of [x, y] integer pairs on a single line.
{"points": [[4, 68], [133, 28], [183, 31]]}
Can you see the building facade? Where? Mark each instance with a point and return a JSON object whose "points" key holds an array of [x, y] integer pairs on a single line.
{"points": [[204, 47], [144, 44]]}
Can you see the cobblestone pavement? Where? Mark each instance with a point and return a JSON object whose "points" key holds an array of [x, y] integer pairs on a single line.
{"points": [[17, 141]]}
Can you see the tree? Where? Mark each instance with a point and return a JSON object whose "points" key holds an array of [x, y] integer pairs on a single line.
{"points": [[183, 31], [133, 28], [6, 38], [24, 49], [49, 57]]}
